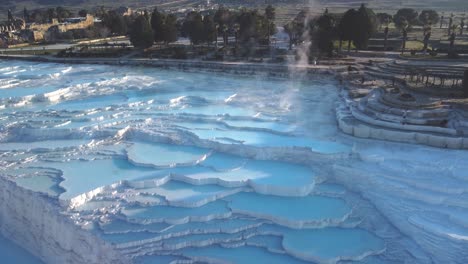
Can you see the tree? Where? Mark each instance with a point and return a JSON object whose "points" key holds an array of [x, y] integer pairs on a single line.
{"points": [[83, 13], [429, 17], [405, 17], [170, 29], [209, 29], [146, 15], [442, 19], [37, 17], [427, 36], [62, 13], [224, 18], [347, 27], [236, 28], [270, 15], [326, 33], [248, 25], [384, 19], [253, 26], [141, 34], [294, 29], [404, 31], [193, 27], [51, 13], [115, 22], [26, 15], [10, 16], [452, 43], [157, 24], [367, 25], [450, 25]]}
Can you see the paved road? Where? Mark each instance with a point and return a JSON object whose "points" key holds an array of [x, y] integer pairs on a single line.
{"points": [[41, 47]]}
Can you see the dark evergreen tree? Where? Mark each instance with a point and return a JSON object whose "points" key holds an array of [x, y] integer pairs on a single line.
{"points": [[252, 26], [348, 26], [116, 23], [62, 13], [141, 34], [193, 27], [157, 24], [247, 25], [294, 29], [26, 15], [146, 15], [325, 33], [405, 17], [366, 25], [83, 13], [429, 17], [209, 29], [270, 15], [170, 29], [51, 14]]}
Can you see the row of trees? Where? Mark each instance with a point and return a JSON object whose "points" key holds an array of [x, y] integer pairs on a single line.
{"points": [[246, 25], [199, 29], [157, 27], [116, 23], [46, 15], [357, 26], [406, 18], [354, 26]]}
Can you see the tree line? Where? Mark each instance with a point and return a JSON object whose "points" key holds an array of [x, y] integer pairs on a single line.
{"points": [[252, 27], [356, 27], [247, 26]]}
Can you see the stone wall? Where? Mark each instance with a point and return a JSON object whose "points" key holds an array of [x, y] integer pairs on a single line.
{"points": [[37, 31], [89, 21]]}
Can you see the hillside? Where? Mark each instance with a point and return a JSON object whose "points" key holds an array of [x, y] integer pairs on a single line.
{"points": [[285, 8], [75, 5]]}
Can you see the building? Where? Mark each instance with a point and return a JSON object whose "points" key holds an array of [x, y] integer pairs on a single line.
{"points": [[37, 32], [10, 32], [14, 25], [16, 31]]}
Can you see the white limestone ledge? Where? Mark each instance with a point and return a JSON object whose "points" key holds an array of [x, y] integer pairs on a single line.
{"points": [[34, 221], [271, 70], [353, 122]]}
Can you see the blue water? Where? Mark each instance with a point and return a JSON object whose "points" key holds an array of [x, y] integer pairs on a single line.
{"points": [[185, 166]]}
